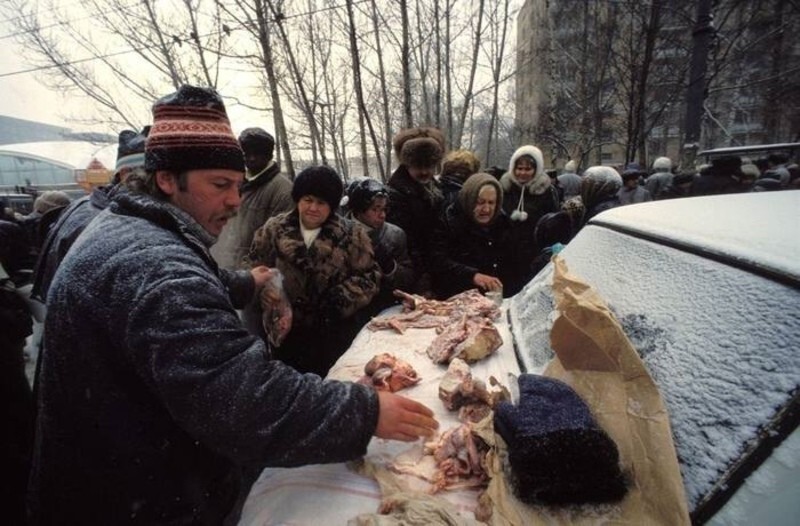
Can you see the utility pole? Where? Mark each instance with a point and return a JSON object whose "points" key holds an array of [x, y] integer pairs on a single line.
{"points": [[702, 34]]}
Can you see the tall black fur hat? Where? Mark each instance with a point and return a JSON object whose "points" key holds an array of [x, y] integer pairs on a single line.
{"points": [[320, 181]]}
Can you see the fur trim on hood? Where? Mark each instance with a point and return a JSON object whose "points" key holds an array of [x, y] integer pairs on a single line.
{"points": [[540, 181]]}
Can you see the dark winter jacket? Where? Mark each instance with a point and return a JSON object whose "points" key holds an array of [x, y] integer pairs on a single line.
{"points": [[390, 244], [414, 208], [266, 196], [64, 233], [326, 284], [463, 248], [151, 390]]}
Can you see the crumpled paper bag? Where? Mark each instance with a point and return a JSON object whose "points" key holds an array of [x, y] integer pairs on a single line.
{"points": [[595, 358]]}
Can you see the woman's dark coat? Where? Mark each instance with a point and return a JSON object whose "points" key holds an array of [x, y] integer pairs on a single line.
{"points": [[327, 284]]}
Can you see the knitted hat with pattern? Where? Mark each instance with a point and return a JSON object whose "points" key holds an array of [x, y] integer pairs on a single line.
{"points": [[191, 131]]}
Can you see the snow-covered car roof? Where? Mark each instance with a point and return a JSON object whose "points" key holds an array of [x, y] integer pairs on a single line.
{"points": [[757, 230], [708, 291]]}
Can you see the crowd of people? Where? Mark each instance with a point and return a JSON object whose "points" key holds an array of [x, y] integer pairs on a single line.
{"points": [[156, 397]]}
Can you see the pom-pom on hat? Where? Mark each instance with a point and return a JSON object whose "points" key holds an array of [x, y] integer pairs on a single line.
{"points": [[320, 181], [130, 150], [662, 164], [255, 139], [191, 131], [419, 147]]}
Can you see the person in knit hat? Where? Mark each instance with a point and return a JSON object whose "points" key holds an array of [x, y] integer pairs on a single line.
{"points": [[415, 197], [569, 180], [266, 192], [328, 267], [660, 178], [152, 394], [457, 166], [527, 196], [471, 247], [74, 218]]}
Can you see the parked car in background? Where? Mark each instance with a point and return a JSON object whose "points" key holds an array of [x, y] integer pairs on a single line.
{"points": [[708, 291], [752, 152]]}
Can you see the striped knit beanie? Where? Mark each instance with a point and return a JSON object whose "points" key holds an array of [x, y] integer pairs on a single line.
{"points": [[130, 151], [191, 131]]}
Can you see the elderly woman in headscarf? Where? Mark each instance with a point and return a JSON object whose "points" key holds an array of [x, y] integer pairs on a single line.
{"points": [[329, 272], [471, 247], [527, 196], [599, 191]]}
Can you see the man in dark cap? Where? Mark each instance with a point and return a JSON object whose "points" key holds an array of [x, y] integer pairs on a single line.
{"points": [[265, 193], [152, 395]]}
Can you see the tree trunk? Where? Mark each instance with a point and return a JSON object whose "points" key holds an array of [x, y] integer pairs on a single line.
{"points": [[408, 119], [473, 67], [387, 123]]}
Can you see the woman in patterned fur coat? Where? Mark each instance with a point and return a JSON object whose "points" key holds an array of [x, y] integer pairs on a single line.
{"points": [[328, 268]]}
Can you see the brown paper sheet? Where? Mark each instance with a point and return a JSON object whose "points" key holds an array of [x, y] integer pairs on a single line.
{"points": [[595, 358]]}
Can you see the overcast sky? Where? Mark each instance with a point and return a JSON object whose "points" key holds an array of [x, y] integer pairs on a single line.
{"points": [[22, 96]]}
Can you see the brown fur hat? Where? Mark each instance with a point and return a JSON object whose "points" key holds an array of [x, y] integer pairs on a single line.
{"points": [[419, 146]]}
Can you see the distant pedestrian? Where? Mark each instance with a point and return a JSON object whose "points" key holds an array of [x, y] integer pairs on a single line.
{"points": [[661, 176], [631, 191], [570, 181]]}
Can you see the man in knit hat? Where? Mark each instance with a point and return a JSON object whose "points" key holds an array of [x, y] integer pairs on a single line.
{"points": [[414, 195], [152, 394], [266, 192]]}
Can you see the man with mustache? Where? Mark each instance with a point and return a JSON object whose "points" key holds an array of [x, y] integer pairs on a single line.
{"points": [[152, 395]]}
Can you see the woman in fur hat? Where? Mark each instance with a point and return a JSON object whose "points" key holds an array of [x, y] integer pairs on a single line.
{"points": [[414, 195], [329, 272], [471, 247], [527, 196]]}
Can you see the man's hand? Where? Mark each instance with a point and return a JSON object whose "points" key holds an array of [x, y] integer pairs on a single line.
{"points": [[261, 275], [403, 419], [485, 282]]}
